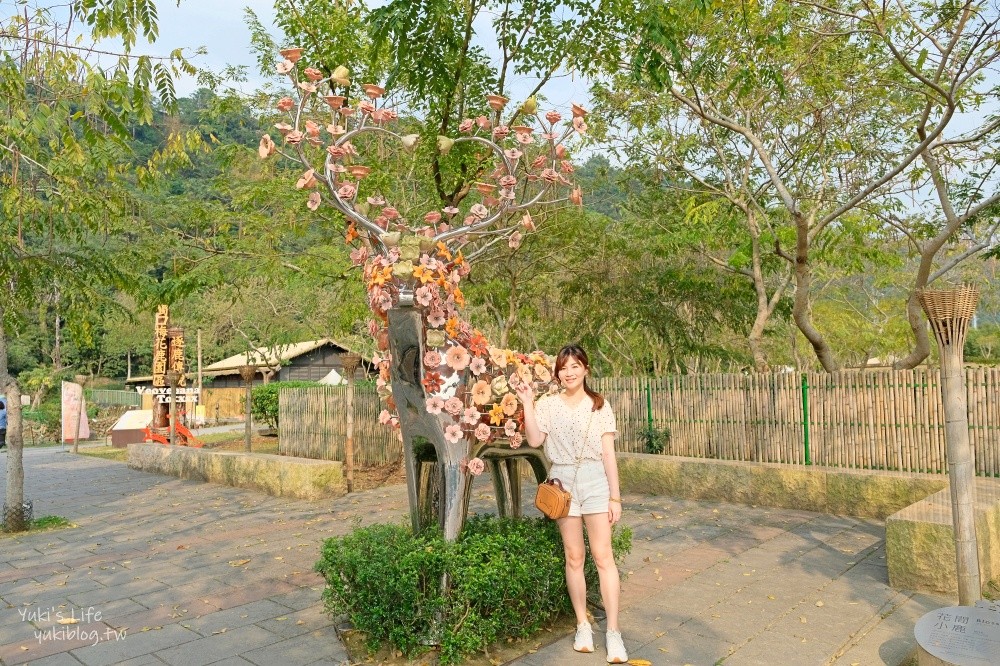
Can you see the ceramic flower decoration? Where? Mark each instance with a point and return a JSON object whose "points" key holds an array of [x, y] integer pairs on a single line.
{"points": [[420, 258]]}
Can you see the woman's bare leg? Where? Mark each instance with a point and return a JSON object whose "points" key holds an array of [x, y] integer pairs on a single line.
{"points": [[599, 534], [571, 529]]}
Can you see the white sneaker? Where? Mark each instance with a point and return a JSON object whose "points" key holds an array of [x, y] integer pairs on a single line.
{"points": [[584, 641], [616, 648]]}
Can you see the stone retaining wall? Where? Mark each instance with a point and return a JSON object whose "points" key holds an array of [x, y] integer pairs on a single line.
{"points": [[920, 541], [847, 492], [281, 476]]}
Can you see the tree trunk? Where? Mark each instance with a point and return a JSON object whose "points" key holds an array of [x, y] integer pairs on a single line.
{"points": [[918, 324], [14, 498], [800, 309]]}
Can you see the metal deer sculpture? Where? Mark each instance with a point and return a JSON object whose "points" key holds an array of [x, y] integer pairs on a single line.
{"points": [[447, 390]]}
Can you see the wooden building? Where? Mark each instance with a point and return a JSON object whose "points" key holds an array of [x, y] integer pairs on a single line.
{"points": [[312, 360]]}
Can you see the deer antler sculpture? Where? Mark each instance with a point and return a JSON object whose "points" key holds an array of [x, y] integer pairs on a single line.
{"points": [[448, 391]]}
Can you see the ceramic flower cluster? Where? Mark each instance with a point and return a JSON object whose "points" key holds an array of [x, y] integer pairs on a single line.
{"points": [[418, 258]]}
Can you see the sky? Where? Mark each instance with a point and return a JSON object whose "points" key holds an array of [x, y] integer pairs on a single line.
{"points": [[218, 25]]}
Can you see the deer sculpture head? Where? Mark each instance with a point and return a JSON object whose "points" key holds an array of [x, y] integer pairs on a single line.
{"points": [[446, 388]]}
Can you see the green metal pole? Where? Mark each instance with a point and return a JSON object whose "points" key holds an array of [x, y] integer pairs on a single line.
{"points": [[805, 417]]}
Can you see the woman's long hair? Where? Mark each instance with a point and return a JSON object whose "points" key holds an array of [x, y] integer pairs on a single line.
{"points": [[576, 352]]}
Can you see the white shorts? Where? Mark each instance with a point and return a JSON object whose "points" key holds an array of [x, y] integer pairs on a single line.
{"points": [[589, 488]]}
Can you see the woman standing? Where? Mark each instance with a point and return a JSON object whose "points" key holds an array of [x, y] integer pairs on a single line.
{"points": [[578, 430]]}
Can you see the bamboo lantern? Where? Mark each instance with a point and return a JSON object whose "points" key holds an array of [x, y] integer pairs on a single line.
{"points": [[949, 312]]}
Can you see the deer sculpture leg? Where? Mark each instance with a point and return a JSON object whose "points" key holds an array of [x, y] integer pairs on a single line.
{"points": [[421, 428]]}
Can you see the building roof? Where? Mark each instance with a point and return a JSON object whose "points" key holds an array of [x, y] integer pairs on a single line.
{"points": [[272, 357]]}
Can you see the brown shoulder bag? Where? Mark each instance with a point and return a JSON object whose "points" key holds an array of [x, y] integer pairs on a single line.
{"points": [[552, 499]]}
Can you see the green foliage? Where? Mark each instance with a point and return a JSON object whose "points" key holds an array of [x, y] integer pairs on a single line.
{"points": [[655, 440], [264, 400], [506, 580], [49, 522]]}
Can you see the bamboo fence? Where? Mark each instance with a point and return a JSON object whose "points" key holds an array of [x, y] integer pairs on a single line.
{"points": [[312, 423], [875, 419]]}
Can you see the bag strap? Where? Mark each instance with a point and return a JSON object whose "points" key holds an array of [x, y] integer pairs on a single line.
{"points": [[583, 445]]}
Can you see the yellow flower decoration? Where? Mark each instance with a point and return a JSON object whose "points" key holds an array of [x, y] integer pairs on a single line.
{"points": [[496, 414]]}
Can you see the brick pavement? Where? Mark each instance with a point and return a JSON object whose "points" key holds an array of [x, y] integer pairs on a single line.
{"points": [[188, 573]]}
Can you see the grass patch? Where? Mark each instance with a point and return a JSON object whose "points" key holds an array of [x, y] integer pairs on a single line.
{"points": [[107, 453], [41, 524], [49, 522]]}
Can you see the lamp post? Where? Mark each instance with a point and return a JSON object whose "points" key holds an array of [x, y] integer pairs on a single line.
{"points": [[949, 312], [173, 379], [350, 362], [247, 372]]}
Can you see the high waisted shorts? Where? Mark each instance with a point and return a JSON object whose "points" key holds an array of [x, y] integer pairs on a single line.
{"points": [[589, 487]]}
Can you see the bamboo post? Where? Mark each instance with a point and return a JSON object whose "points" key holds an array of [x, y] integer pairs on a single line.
{"points": [[247, 372], [350, 362], [949, 312]]}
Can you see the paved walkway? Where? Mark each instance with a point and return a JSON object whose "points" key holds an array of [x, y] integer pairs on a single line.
{"points": [[188, 573]]}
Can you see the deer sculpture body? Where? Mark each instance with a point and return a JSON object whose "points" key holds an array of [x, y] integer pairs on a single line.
{"points": [[447, 390]]}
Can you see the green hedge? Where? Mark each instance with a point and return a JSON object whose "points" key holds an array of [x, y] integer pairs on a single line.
{"points": [[506, 580], [264, 400]]}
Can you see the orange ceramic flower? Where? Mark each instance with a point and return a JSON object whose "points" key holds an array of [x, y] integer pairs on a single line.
{"points": [[352, 233], [292, 53], [443, 251], [481, 392], [508, 405], [451, 327], [432, 382]]}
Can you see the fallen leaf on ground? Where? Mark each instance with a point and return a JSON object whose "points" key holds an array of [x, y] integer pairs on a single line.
{"points": [[69, 620], [238, 563]]}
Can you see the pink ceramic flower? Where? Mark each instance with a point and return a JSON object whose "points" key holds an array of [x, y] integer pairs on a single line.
{"points": [[347, 191], [479, 211], [457, 358], [510, 427], [453, 433], [476, 466], [384, 417], [313, 74], [453, 406], [432, 359], [424, 296], [501, 132], [512, 154], [471, 416], [307, 180], [285, 66], [516, 440], [466, 125], [553, 117], [483, 122], [434, 405], [576, 197], [580, 125], [359, 256], [314, 201], [482, 432], [390, 212], [578, 111], [286, 104], [436, 318], [515, 240], [478, 366], [527, 222]]}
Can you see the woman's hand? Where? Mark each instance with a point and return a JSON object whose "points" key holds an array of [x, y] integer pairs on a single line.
{"points": [[525, 393], [614, 512]]}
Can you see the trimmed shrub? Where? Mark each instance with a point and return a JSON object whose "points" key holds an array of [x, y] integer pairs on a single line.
{"points": [[264, 400], [505, 579]]}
